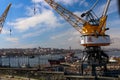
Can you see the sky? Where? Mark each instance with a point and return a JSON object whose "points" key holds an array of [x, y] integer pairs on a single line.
{"points": [[47, 28]]}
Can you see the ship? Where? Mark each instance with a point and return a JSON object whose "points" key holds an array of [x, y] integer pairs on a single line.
{"points": [[56, 61], [69, 58]]}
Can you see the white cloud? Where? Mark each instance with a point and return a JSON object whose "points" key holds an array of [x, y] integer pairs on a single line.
{"points": [[34, 10], [17, 5], [32, 45], [115, 43], [70, 37], [67, 33], [114, 33], [114, 23], [78, 13], [46, 18], [37, 1], [112, 8], [84, 3], [37, 7], [4, 31], [33, 34], [67, 2], [12, 39]]}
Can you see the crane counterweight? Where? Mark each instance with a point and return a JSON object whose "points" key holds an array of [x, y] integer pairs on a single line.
{"points": [[93, 31], [95, 41]]}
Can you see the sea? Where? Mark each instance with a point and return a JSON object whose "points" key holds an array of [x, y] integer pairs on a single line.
{"points": [[35, 60]]}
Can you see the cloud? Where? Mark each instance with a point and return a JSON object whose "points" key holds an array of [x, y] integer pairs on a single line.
{"points": [[67, 33], [114, 33], [70, 37], [115, 43], [78, 13], [46, 18], [37, 1], [12, 39], [112, 8], [84, 3], [38, 6], [33, 34], [32, 45], [114, 23], [4, 31], [67, 2], [17, 5]]}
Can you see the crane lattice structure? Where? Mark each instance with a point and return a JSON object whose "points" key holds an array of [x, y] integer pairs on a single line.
{"points": [[92, 31], [3, 17]]}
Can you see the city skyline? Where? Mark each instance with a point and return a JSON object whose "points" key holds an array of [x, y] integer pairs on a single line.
{"points": [[46, 28]]}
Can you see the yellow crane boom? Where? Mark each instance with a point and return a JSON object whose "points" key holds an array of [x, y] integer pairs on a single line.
{"points": [[83, 26], [73, 19], [92, 30]]}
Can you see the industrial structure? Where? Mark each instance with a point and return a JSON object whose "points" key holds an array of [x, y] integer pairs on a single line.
{"points": [[93, 36], [92, 30], [3, 17]]}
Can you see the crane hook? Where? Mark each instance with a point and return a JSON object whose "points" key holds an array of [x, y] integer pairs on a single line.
{"points": [[34, 8], [10, 32]]}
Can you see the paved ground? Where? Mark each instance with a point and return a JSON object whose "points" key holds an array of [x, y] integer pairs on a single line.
{"points": [[7, 77]]}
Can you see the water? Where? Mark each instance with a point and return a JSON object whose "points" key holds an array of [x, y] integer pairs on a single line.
{"points": [[115, 53], [25, 60], [38, 59]]}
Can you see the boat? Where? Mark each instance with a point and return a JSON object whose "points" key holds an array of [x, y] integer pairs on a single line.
{"points": [[56, 61], [32, 56], [69, 58], [112, 60], [25, 66]]}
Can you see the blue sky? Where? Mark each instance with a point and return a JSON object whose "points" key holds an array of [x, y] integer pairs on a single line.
{"points": [[47, 28]]}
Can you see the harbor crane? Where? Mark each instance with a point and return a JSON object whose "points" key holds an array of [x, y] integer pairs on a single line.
{"points": [[92, 30], [118, 1], [3, 17]]}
